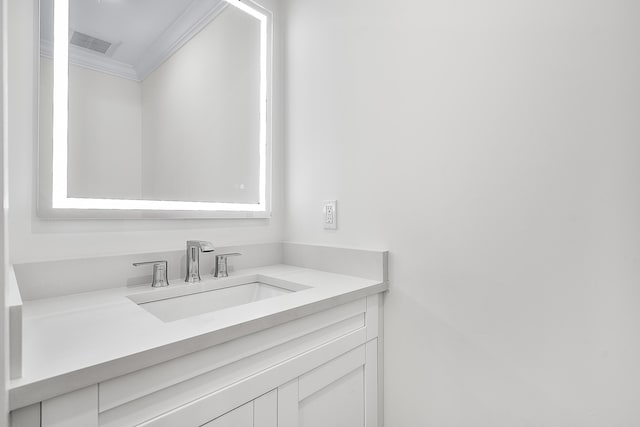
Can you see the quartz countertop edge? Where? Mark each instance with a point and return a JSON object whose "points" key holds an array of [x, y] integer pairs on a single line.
{"points": [[75, 341]]}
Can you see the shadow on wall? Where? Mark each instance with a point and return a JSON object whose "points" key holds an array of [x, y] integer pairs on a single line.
{"points": [[481, 384]]}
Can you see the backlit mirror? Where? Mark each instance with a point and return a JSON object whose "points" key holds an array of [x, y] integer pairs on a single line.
{"points": [[154, 108]]}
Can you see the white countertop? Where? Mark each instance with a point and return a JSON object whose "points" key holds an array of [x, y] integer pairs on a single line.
{"points": [[78, 340]]}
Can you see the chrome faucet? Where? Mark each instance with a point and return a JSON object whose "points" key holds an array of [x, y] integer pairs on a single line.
{"points": [[193, 258]]}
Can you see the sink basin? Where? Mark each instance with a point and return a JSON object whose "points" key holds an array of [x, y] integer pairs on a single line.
{"points": [[176, 304]]}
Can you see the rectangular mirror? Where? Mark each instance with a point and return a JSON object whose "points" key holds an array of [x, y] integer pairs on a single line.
{"points": [[154, 108]]}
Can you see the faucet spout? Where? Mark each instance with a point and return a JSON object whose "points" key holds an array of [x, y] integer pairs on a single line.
{"points": [[203, 245], [194, 247]]}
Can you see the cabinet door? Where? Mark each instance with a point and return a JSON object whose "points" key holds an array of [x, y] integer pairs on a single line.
{"points": [[262, 412], [239, 417], [28, 416], [265, 410], [333, 394]]}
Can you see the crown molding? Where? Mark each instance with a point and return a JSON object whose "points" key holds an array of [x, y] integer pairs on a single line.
{"points": [[193, 20], [86, 59]]}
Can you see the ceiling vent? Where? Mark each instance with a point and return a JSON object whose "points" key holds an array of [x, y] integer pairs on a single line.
{"points": [[88, 42]]}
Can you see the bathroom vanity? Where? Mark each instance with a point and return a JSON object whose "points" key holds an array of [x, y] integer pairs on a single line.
{"points": [[280, 345], [293, 335]]}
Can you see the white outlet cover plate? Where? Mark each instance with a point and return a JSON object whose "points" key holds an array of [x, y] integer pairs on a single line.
{"points": [[329, 215]]}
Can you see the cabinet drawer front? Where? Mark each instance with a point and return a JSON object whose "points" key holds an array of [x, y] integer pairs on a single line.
{"points": [[153, 391], [29, 416], [239, 417], [121, 390], [76, 409], [200, 410]]}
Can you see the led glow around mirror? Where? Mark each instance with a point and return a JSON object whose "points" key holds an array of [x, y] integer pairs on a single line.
{"points": [[60, 197]]}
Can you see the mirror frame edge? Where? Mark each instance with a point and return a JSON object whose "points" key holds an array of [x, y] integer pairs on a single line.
{"points": [[44, 153]]}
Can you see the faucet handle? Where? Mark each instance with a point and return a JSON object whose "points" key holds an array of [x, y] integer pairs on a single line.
{"points": [[221, 264], [159, 272]]}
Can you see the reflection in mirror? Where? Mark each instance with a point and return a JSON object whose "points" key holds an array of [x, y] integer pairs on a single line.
{"points": [[167, 104]]}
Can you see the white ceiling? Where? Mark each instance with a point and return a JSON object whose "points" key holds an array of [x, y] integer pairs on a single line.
{"points": [[144, 32], [134, 23]]}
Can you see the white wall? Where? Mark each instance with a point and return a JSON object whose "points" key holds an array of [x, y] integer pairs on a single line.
{"points": [[104, 135], [105, 130], [205, 99], [493, 148], [34, 239], [4, 324]]}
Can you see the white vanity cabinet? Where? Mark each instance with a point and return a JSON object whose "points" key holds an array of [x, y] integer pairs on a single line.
{"points": [[319, 370], [239, 417], [260, 412], [334, 394]]}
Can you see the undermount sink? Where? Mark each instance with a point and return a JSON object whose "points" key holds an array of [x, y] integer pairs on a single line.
{"points": [[186, 301]]}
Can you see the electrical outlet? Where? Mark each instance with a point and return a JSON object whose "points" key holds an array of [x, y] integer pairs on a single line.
{"points": [[330, 215]]}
